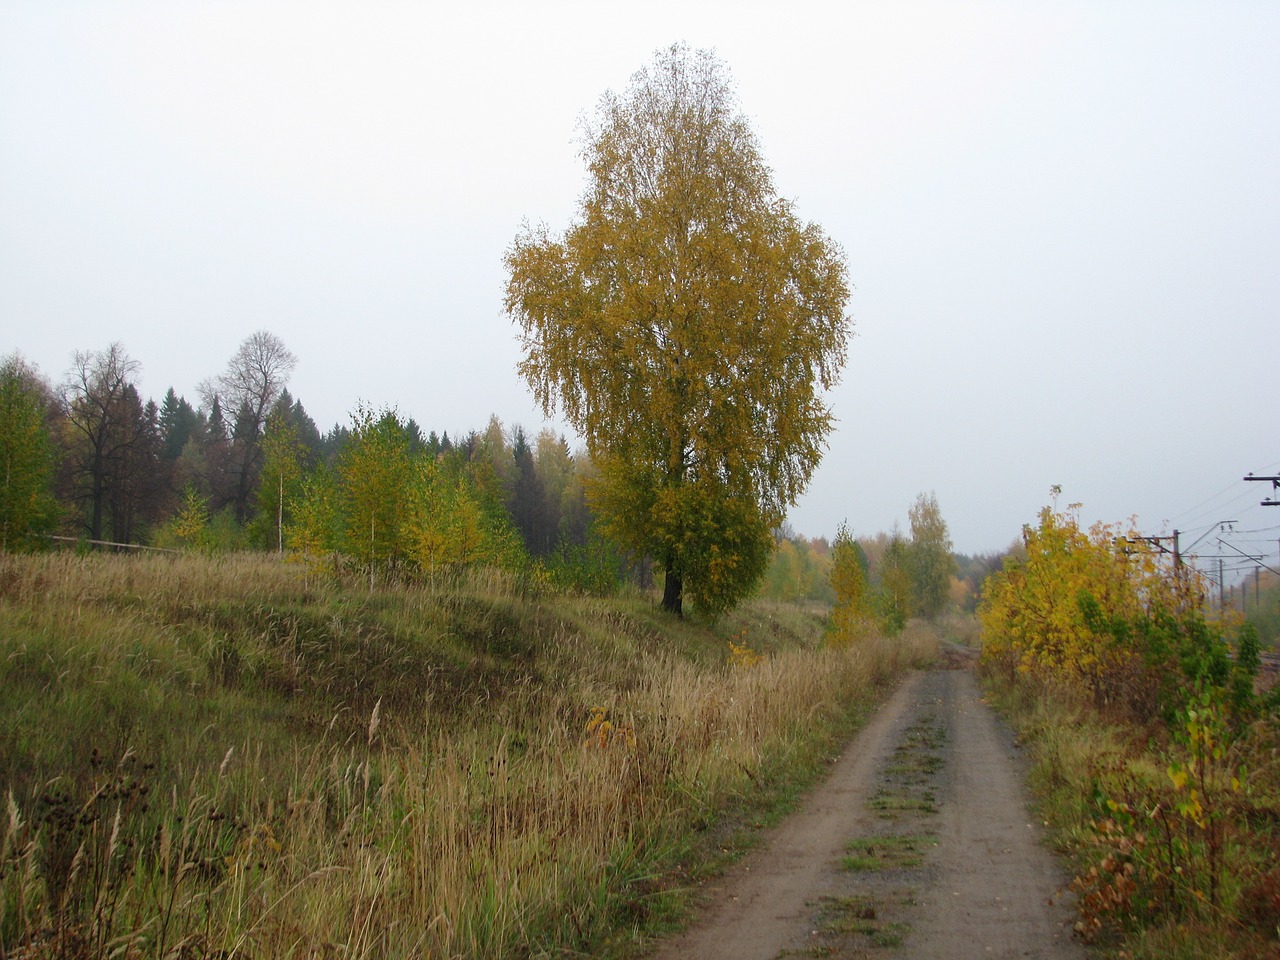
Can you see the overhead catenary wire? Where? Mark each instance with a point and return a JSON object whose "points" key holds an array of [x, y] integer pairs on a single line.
{"points": [[1256, 560], [1271, 530], [1240, 550], [1240, 504], [1190, 517], [1181, 518], [1228, 562]]}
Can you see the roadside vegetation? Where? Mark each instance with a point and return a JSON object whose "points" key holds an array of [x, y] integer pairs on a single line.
{"points": [[1156, 744], [225, 755]]}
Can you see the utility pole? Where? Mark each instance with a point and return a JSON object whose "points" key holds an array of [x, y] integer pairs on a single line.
{"points": [[1275, 485], [1221, 525], [1158, 543]]}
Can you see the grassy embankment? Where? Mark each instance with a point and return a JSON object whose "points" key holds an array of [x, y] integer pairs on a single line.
{"points": [[220, 757], [1173, 834]]}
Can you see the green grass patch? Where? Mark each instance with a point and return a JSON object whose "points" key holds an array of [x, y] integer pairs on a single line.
{"points": [[896, 851], [890, 805], [860, 917]]}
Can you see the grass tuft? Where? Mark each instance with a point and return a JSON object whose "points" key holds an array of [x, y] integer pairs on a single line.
{"points": [[896, 851]]}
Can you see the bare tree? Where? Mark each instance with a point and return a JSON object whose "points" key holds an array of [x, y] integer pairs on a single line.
{"points": [[95, 393], [252, 382]]}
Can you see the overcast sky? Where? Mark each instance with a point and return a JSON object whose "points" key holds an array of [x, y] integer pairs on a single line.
{"points": [[1062, 220]]}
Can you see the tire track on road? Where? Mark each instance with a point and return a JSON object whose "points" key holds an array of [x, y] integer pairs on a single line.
{"points": [[918, 844]]}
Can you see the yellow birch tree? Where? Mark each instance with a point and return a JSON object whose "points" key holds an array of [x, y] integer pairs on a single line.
{"points": [[685, 325], [851, 617]]}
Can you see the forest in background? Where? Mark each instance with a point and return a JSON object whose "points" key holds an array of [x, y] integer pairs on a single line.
{"points": [[244, 466], [85, 458]]}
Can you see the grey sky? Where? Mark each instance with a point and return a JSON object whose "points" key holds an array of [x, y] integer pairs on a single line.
{"points": [[1062, 220]]}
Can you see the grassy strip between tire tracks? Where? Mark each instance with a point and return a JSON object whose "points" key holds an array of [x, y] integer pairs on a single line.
{"points": [[225, 757]]}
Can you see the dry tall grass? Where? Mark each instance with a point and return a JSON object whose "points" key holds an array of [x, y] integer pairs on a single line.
{"points": [[219, 757]]}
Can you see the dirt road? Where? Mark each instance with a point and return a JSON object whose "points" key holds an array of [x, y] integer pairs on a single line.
{"points": [[919, 844]]}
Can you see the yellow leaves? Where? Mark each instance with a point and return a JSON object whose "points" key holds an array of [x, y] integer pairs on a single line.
{"points": [[447, 522], [741, 656], [602, 733], [191, 523], [598, 728], [1193, 808], [1052, 612], [375, 476], [851, 615], [685, 323]]}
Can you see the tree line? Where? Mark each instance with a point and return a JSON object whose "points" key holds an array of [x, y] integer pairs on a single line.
{"points": [[245, 466], [87, 459]]}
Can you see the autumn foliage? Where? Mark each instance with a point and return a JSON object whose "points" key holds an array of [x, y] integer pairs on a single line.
{"points": [[1157, 749], [851, 615], [1100, 611], [686, 325]]}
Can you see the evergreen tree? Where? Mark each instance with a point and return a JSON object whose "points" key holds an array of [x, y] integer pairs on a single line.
{"points": [[289, 412], [217, 428], [527, 503], [334, 443], [178, 421], [414, 434], [308, 433]]}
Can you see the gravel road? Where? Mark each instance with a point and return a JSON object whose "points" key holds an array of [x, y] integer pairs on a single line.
{"points": [[919, 844]]}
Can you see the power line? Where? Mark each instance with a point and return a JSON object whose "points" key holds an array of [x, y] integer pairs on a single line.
{"points": [[1233, 505], [1179, 517], [1224, 564], [1222, 525], [1182, 517], [1257, 560], [1262, 530]]}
